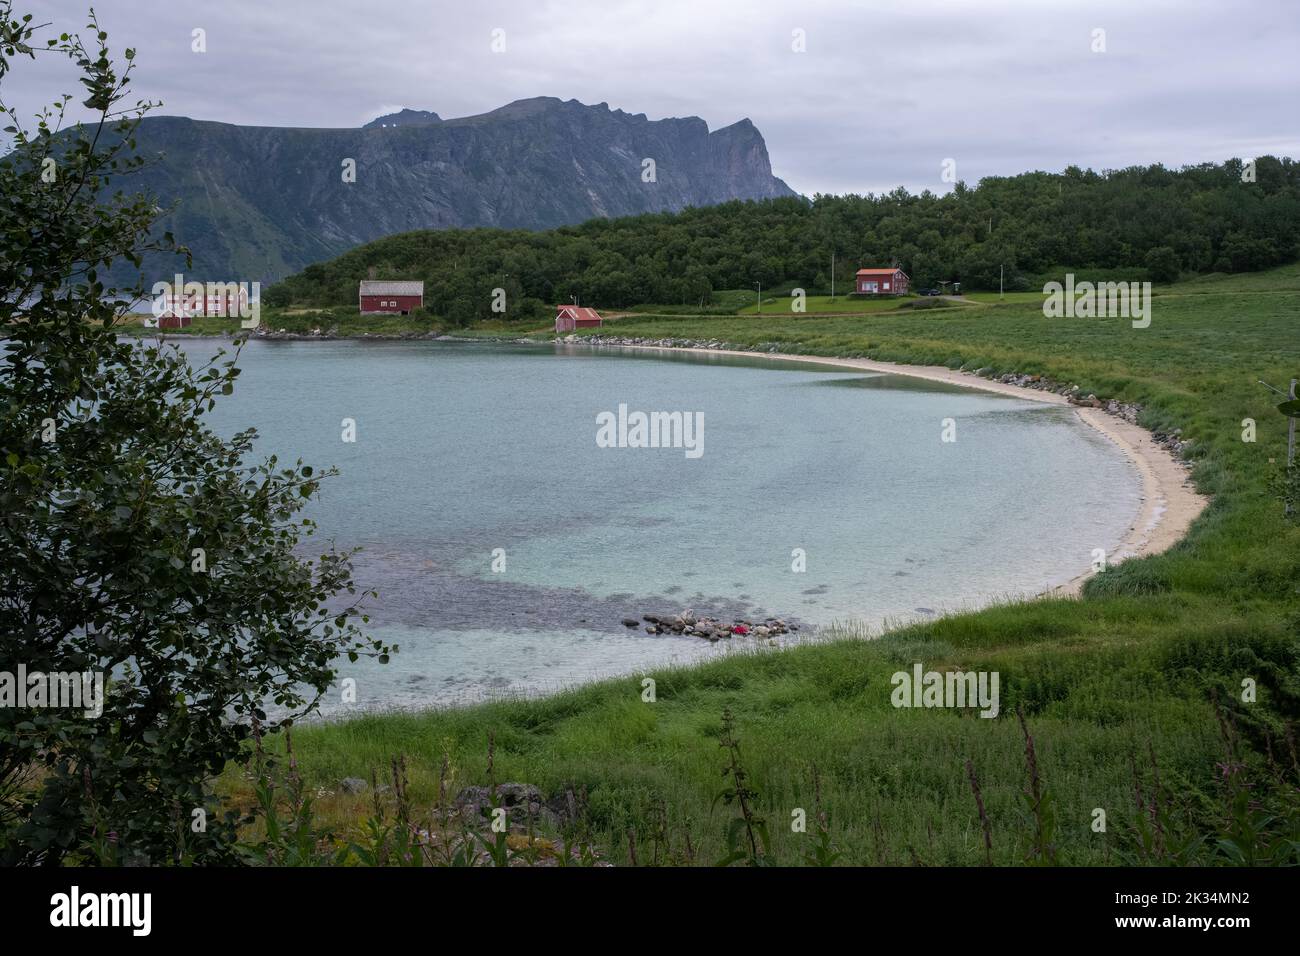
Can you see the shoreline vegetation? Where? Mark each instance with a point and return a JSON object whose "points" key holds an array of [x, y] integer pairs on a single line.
{"points": [[1123, 693]]}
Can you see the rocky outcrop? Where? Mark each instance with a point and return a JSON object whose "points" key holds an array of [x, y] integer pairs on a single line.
{"points": [[713, 629], [404, 118]]}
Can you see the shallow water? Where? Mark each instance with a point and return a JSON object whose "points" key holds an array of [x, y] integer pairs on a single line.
{"points": [[465, 448]]}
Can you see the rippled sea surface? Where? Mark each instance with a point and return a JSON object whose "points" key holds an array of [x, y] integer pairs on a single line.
{"points": [[462, 449]]}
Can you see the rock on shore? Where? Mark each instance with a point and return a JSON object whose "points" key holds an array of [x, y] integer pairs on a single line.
{"points": [[714, 629]]}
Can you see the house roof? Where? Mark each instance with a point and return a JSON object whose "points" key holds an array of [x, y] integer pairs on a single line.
{"points": [[373, 287], [879, 272], [579, 313]]}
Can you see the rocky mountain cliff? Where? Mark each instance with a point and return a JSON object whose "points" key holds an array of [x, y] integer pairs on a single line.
{"points": [[262, 202]]}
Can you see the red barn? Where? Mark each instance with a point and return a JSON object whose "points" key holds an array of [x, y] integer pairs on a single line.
{"points": [[881, 282], [570, 317], [383, 297]]}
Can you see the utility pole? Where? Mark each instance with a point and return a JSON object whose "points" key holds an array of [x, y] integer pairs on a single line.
{"points": [[1000, 268], [760, 298], [832, 277]]}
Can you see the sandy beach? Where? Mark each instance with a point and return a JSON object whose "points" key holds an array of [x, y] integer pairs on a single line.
{"points": [[1169, 501]]}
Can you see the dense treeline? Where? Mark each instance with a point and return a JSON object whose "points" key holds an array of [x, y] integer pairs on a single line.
{"points": [[1229, 217]]}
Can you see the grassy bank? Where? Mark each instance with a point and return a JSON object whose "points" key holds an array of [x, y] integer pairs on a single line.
{"points": [[844, 304], [347, 322], [1133, 694]]}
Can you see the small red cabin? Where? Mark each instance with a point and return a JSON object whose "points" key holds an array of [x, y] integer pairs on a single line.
{"points": [[382, 297], [570, 317], [880, 282]]}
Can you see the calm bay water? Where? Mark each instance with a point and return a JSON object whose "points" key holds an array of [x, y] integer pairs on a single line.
{"points": [[465, 448]]}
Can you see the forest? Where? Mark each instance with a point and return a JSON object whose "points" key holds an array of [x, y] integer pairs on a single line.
{"points": [[1143, 222]]}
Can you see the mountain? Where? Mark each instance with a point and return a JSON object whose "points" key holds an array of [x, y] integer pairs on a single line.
{"points": [[259, 203], [404, 118]]}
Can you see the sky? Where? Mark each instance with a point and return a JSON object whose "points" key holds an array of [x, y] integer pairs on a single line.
{"points": [[850, 96]]}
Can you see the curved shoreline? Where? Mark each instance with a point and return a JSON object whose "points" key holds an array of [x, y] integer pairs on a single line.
{"points": [[1169, 502]]}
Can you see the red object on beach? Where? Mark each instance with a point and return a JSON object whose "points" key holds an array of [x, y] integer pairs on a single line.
{"points": [[740, 629]]}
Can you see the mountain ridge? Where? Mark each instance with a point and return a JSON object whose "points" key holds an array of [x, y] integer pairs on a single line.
{"points": [[262, 202]]}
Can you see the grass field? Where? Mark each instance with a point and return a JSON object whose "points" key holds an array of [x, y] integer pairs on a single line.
{"points": [[724, 302], [820, 304], [1004, 298], [1118, 689], [1282, 279]]}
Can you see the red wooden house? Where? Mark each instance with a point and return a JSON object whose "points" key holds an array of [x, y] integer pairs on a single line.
{"points": [[386, 297], [570, 317], [891, 281]]}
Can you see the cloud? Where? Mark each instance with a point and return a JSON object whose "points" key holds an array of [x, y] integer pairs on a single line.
{"points": [[885, 92]]}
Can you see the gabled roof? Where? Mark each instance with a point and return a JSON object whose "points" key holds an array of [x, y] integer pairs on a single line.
{"points": [[373, 287], [579, 313], [879, 272]]}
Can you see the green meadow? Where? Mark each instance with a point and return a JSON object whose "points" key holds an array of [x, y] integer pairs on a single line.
{"points": [[815, 304], [1133, 694]]}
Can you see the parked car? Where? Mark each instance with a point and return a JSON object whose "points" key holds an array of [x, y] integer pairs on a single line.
{"points": [[929, 292]]}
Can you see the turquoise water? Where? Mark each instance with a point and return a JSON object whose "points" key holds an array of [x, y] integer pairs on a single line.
{"points": [[462, 449]]}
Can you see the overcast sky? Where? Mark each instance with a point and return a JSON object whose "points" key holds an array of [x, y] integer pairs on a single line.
{"points": [[883, 93]]}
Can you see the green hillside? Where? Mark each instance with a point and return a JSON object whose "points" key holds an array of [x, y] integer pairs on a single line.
{"points": [[1138, 223]]}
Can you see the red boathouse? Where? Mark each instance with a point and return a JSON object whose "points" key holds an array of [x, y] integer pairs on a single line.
{"points": [[570, 317]]}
